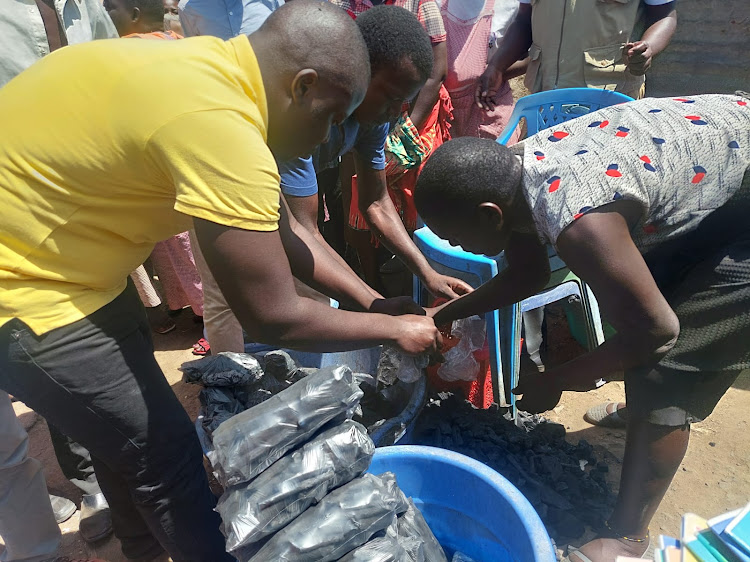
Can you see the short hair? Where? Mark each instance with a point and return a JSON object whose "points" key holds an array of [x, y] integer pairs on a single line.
{"points": [[151, 10], [316, 34], [393, 34], [464, 173]]}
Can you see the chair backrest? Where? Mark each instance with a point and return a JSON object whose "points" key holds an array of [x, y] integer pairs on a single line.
{"points": [[545, 109]]}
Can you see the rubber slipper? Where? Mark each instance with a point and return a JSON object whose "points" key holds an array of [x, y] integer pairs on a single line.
{"points": [[201, 347], [598, 415]]}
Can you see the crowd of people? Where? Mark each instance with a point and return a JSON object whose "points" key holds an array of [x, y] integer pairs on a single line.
{"points": [[252, 160]]}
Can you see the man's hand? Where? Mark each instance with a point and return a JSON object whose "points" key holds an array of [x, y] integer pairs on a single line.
{"points": [[446, 287], [417, 334], [396, 306], [488, 87], [540, 393], [638, 57]]}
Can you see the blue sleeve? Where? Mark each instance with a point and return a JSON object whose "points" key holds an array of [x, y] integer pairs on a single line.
{"points": [[298, 177], [369, 145]]}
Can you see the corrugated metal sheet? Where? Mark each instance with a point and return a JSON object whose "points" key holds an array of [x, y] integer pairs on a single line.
{"points": [[710, 52]]}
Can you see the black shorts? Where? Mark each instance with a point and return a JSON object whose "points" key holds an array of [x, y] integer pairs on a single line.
{"points": [[705, 277]]}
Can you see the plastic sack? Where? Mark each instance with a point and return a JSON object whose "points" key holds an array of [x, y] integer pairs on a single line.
{"points": [[345, 519], [250, 442], [380, 549], [412, 525], [395, 364], [293, 483], [460, 557], [218, 403], [224, 369], [460, 363]]}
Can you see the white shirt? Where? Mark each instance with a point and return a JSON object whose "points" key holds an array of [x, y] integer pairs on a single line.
{"points": [[224, 18], [23, 40]]}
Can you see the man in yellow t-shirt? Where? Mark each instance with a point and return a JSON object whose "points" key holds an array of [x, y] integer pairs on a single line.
{"points": [[95, 167]]}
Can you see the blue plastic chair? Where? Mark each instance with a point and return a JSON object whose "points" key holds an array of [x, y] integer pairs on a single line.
{"points": [[541, 110]]}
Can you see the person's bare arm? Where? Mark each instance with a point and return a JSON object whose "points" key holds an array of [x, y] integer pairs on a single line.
{"points": [[662, 22], [598, 248], [430, 92], [376, 206], [304, 210], [502, 66], [255, 276], [527, 274]]}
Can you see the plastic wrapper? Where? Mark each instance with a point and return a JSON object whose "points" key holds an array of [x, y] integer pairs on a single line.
{"points": [[345, 519], [280, 365], [293, 483], [460, 363], [250, 442], [218, 404], [395, 364], [460, 557], [380, 549], [412, 525], [224, 369]]}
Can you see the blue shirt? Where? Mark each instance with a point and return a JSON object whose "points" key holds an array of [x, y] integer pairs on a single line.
{"points": [[298, 177], [224, 18]]}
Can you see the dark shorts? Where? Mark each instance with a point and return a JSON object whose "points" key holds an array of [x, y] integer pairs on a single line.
{"points": [[705, 277]]}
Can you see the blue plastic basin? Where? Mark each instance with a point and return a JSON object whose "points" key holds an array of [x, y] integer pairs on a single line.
{"points": [[470, 507]]}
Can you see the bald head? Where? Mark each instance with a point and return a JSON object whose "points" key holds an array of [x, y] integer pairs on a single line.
{"points": [[316, 34], [316, 70]]}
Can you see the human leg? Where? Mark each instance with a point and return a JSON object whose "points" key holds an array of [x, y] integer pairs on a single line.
{"points": [[27, 523], [98, 381]]}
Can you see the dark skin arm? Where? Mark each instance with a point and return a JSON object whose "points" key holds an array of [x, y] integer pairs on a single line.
{"points": [[304, 211], [430, 92], [255, 276], [662, 22], [598, 248], [376, 206], [527, 274], [504, 63]]}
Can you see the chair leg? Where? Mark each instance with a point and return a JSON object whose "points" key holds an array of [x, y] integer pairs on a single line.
{"points": [[499, 382], [417, 290]]}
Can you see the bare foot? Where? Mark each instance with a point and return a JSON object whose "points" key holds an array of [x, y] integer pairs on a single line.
{"points": [[607, 550]]}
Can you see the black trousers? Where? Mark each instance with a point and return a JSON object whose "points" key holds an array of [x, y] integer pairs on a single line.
{"points": [[75, 461], [97, 380]]}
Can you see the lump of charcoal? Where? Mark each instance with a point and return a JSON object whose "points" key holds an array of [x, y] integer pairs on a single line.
{"points": [[224, 369], [343, 520], [288, 487], [549, 431], [248, 443]]}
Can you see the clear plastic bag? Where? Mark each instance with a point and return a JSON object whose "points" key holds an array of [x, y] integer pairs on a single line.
{"points": [[460, 363], [224, 369], [412, 525], [460, 557], [248, 443], [293, 483], [380, 549], [345, 519], [395, 364]]}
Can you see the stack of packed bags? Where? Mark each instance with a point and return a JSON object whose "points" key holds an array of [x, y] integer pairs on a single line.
{"points": [[725, 538], [295, 490]]}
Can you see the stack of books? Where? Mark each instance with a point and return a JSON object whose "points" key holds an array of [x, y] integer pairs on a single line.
{"points": [[725, 538]]}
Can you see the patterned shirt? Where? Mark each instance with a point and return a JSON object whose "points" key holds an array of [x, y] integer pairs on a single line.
{"points": [[679, 158], [427, 12]]}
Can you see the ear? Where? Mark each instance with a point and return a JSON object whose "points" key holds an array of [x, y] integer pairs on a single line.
{"points": [[490, 215], [136, 14], [302, 84]]}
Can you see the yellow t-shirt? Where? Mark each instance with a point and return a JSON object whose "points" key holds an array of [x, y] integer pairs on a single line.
{"points": [[109, 147]]}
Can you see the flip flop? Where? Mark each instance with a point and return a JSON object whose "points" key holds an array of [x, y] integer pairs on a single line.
{"points": [[581, 557], [202, 347], [598, 415]]}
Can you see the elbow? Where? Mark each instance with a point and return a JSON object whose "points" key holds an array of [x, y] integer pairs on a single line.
{"points": [[664, 337]]}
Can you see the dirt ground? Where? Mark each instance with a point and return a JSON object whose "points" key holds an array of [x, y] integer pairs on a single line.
{"points": [[714, 478]]}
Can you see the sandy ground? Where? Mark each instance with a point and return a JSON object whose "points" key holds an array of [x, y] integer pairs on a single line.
{"points": [[714, 478]]}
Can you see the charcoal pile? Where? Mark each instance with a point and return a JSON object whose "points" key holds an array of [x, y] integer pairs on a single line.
{"points": [[295, 489], [565, 483]]}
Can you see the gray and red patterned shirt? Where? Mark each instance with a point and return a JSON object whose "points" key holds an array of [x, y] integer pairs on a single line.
{"points": [[679, 158]]}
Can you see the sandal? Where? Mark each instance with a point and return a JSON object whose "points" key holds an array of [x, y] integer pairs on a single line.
{"points": [[202, 347], [599, 415]]}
